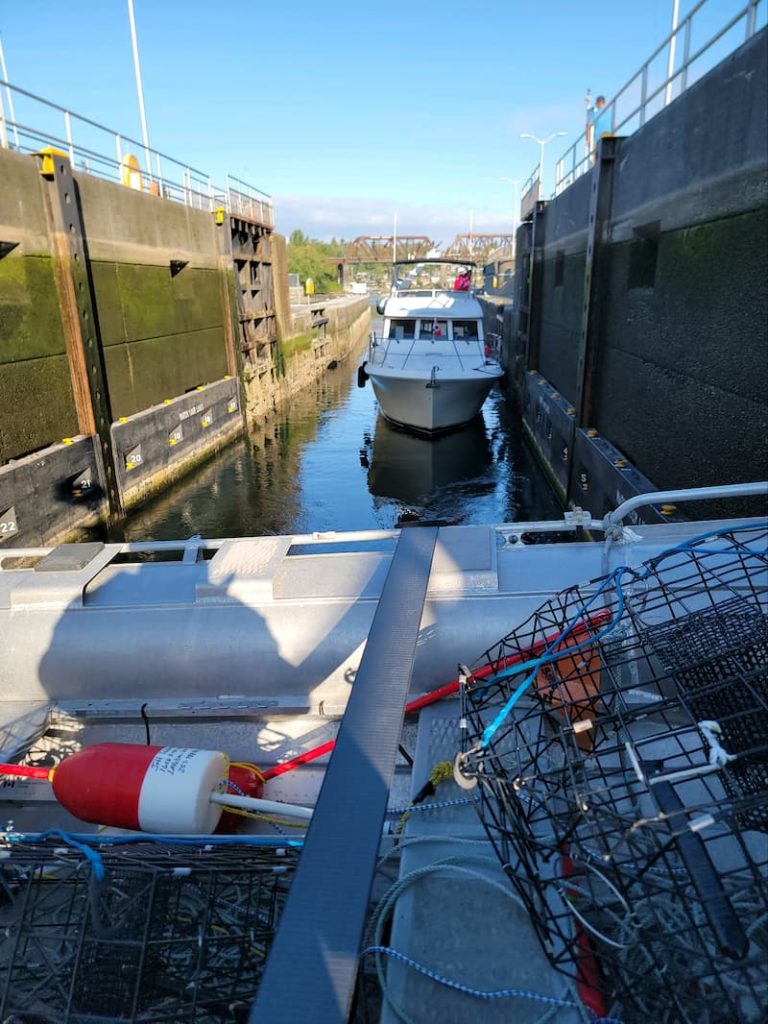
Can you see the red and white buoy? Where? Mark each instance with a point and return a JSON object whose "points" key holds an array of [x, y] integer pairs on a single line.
{"points": [[146, 788], [173, 790]]}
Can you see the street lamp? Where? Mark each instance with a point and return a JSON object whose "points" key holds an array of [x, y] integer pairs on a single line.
{"points": [[515, 183], [542, 143]]}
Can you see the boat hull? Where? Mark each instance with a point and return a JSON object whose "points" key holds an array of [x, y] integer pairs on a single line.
{"points": [[429, 408]]}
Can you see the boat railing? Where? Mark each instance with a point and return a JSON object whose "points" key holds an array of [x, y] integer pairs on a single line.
{"points": [[378, 345], [493, 344], [431, 293], [513, 534], [613, 519], [676, 63]]}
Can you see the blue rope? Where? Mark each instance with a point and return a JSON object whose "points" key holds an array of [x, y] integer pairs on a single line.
{"points": [[550, 654], [92, 856], [477, 993], [437, 805]]}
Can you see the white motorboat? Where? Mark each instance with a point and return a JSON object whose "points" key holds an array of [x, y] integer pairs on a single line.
{"points": [[431, 368]]}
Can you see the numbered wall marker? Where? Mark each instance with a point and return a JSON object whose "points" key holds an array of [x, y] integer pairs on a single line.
{"points": [[8, 524], [133, 458]]}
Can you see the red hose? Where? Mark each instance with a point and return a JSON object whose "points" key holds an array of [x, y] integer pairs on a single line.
{"points": [[587, 967], [442, 691], [27, 771]]}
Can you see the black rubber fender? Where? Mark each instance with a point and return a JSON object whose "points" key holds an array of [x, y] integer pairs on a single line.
{"points": [[362, 376]]}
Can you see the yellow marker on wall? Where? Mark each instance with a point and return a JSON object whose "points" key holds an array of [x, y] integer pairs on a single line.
{"points": [[130, 172]]}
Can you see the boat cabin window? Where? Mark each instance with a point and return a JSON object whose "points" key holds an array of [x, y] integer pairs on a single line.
{"points": [[433, 329], [401, 329], [465, 330]]}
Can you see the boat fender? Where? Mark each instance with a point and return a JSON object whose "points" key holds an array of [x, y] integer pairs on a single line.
{"points": [[380, 306], [143, 788], [362, 376]]}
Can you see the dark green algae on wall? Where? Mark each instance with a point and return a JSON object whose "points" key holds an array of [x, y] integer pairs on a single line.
{"points": [[162, 334], [36, 402]]}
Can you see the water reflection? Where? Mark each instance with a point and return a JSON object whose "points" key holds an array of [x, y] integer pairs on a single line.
{"points": [[329, 461], [427, 475]]}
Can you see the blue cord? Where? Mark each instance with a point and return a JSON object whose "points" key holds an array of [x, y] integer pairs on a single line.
{"points": [[550, 655], [434, 806], [92, 856], [477, 993]]}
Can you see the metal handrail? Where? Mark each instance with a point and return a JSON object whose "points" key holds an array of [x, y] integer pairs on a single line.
{"points": [[571, 166], [753, 489], [195, 188]]}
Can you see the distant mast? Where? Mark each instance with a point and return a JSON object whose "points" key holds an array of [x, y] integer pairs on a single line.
{"points": [[394, 250]]}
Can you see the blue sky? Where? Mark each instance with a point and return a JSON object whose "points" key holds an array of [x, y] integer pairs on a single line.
{"points": [[346, 112]]}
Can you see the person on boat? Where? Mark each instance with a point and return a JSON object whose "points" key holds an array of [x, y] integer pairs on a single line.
{"points": [[463, 281]]}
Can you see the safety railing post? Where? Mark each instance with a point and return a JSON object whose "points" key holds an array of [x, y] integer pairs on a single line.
{"points": [[119, 151], [159, 175], [686, 55], [752, 18], [643, 93], [68, 130], [3, 130]]}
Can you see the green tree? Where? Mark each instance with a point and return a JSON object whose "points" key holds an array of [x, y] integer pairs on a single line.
{"points": [[309, 257]]}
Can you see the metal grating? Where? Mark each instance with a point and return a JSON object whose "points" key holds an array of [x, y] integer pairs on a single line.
{"points": [[168, 934], [620, 748]]}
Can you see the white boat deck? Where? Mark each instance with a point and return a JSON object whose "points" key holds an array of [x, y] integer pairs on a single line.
{"points": [[252, 646]]}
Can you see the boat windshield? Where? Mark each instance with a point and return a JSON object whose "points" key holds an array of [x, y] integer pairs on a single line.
{"points": [[464, 330], [433, 328], [400, 329]]}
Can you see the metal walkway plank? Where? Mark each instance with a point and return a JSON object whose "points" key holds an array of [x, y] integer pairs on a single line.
{"points": [[311, 971]]}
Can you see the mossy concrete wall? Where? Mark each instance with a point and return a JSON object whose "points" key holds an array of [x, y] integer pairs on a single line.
{"points": [[162, 332], [36, 402], [307, 354], [169, 322], [681, 373]]}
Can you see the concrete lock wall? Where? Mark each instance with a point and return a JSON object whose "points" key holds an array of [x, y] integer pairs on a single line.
{"points": [[322, 335], [156, 446], [48, 496], [680, 305], [162, 329], [165, 299], [36, 401]]}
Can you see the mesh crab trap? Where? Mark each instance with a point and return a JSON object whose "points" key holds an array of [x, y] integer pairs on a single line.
{"points": [[145, 932], [619, 740]]}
